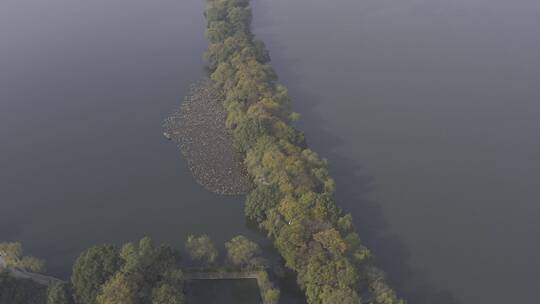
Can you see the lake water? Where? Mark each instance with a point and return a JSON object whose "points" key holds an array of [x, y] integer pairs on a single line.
{"points": [[84, 87], [427, 110], [429, 113]]}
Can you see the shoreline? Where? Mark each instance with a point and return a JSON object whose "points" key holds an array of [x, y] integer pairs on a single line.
{"points": [[198, 129]]}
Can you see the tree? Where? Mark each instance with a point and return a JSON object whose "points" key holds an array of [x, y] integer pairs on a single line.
{"points": [[242, 251], [249, 130], [271, 296], [261, 53], [294, 198], [147, 265], [331, 240], [13, 256], [33, 264], [119, 289], [218, 31], [261, 200], [239, 18], [11, 252], [381, 292], [201, 248], [167, 294], [342, 296], [92, 269], [59, 293]]}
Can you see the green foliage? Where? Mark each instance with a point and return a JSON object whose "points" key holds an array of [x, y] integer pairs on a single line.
{"points": [[260, 200], [167, 294], [201, 248], [342, 296], [148, 266], [261, 53], [138, 273], [12, 252], [92, 269], [17, 291], [382, 293], [271, 296], [293, 199], [241, 251], [33, 264], [249, 131], [119, 289], [59, 293], [270, 293], [239, 18], [218, 31], [13, 256]]}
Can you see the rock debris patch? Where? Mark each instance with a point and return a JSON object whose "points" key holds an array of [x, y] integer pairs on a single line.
{"points": [[198, 128]]}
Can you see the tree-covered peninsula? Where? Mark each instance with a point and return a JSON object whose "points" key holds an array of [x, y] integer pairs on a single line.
{"points": [[293, 199]]}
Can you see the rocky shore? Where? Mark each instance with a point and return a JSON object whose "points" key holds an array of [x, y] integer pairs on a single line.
{"points": [[198, 128]]}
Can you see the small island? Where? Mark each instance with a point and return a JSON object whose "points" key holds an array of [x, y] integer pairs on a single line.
{"points": [[198, 128]]}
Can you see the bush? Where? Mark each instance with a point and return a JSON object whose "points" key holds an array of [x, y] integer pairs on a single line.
{"points": [[241, 251], [59, 293], [92, 269], [201, 248]]}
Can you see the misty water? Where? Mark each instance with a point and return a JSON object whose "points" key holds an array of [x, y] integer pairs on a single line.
{"points": [[428, 112], [84, 89]]}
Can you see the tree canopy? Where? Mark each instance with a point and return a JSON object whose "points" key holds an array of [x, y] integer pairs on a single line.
{"points": [[14, 257], [241, 251], [294, 195], [137, 273], [201, 248], [59, 293], [92, 269]]}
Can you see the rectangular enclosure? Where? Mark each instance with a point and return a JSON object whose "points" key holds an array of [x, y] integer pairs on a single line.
{"points": [[238, 291]]}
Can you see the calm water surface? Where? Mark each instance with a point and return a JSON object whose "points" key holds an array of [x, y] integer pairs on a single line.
{"points": [[427, 110], [84, 86], [429, 113]]}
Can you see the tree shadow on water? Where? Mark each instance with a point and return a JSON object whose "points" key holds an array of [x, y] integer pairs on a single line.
{"points": [[354, 186]]}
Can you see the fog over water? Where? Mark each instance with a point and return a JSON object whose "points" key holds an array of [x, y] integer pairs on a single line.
{"points": [[428, 112], [84, 87]]}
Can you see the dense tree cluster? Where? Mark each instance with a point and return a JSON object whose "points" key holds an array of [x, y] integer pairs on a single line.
{"points": [[201, 248], [92, 269], [269, 292], [243, 252], [59, 293], [142, 273], [136, 273], [293, 199]]}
